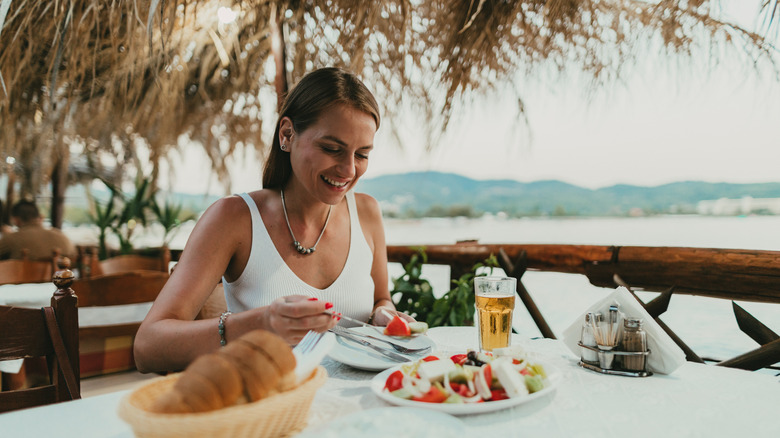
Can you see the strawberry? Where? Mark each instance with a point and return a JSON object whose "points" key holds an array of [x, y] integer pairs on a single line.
{"points": [[398, 327]]}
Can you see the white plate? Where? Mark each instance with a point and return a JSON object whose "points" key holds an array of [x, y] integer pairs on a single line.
{"points": [[364, 358], [390, 423], [378, 384]]}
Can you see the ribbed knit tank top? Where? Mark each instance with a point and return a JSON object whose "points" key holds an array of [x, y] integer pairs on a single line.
{"points": [[267, 277]]}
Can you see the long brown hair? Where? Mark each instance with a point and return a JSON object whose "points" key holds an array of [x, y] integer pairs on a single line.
{"points": [[315, 93]]}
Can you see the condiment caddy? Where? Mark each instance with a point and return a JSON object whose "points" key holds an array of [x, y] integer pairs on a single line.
{"points": [[612, 343]]}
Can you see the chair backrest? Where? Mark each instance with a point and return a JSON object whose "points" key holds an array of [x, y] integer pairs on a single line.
{"points": [[214, 305], [109, 348], [18, 271], [50, 332], [90, 266]]}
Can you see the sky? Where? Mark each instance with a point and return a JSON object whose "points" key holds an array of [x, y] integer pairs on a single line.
{"points": [[668, 121]]}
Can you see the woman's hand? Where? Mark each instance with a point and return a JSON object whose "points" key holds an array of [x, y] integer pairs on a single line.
{"points": [[383, 315], [291, 317]]}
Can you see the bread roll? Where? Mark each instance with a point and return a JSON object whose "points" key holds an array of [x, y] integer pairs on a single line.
{"points": [[256, 365], [258, 373]]}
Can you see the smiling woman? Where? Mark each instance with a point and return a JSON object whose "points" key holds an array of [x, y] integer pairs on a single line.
{"points": [[285, 254]]}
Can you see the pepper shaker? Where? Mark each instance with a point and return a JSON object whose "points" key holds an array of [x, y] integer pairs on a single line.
{"points": [[634, 340], [588, 339]]}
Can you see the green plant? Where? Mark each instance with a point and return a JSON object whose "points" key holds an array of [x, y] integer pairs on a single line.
{"points": [[133, 212], [104, 217], [415, 294], [122, 214], [170, 216]]}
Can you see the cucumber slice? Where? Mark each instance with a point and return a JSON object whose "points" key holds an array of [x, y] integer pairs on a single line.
{"points": [[402, 393], [418, 327]]}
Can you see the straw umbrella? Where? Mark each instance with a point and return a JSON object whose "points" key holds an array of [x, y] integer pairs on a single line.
{"points": [[115, 77]]}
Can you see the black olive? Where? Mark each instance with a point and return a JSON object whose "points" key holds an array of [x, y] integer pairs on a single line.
{"points": [[471, 359]]}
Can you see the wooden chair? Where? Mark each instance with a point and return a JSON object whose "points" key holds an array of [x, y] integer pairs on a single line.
{"points": [[109, 348], [214, 305], [90, 266], [50, 332], [18, 271]]}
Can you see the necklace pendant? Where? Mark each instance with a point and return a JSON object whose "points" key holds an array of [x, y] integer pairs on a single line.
{"points": [[297, 245]]}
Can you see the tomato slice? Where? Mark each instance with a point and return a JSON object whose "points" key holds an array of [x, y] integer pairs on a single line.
{"points": [[434, 395], [429, 358], [488, 374], [459, 359], [498, 394], [394, 381], [398, 327], [461, 389]]}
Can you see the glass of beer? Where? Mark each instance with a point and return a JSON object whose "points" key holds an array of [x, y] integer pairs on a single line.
{"points": [[495, 298]]}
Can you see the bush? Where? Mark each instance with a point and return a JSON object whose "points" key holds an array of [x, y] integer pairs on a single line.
{"points": [[414, 295]]}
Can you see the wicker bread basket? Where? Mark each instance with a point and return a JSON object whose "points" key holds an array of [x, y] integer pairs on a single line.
{"points": [[277, 416]]}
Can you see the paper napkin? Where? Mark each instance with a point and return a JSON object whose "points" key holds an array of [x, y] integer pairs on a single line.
{"points": [[307, 362], [665, 356]]}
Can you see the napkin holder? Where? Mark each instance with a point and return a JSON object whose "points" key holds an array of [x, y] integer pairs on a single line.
{"points": [[666, 355]]}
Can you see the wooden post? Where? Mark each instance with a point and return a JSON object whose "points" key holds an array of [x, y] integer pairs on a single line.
{"points": [[517, 270], [280, 58], [58, 184], [65, 304]]}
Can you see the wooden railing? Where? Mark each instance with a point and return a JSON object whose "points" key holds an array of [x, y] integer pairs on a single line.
{"points": [[741, 275]]}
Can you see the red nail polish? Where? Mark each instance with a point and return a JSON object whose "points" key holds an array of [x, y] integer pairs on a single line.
{"points": [[312, 299], [328, 305], [338, 318]]}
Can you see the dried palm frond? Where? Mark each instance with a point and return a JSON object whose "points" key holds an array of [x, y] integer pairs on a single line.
{"points": [[126, 74]]}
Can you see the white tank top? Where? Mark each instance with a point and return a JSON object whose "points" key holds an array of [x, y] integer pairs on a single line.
{"points": [[267, 277]]}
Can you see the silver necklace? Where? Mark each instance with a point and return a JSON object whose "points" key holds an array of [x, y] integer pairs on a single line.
{"points": [[296, 244]]}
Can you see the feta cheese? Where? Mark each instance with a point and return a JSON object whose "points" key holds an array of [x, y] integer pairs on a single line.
{"points": [[512, 381], [436, 369]]}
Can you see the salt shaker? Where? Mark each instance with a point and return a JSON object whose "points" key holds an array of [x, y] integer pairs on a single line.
{"points": [[634, 340], [588, 356]]}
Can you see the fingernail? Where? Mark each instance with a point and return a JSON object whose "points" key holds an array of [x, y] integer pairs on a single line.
{"points": [[312, 299], [334, 316], [328, 305]]}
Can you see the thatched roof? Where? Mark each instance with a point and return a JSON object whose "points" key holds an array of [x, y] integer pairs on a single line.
{"points": [[116, 75]]}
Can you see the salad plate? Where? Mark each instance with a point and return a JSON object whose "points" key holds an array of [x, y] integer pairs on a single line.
{"points": [[378, 384], [357, 356]]}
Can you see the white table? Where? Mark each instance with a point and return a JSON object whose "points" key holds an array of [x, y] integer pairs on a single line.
{"points": [[694, 401]]}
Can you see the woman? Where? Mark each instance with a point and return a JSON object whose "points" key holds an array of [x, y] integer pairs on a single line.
{"points": [[302, 245]]}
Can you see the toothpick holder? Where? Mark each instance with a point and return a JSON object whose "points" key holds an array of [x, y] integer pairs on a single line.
{"points": [[607, 361]]}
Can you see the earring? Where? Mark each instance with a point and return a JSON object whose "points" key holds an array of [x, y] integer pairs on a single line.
{"points": [[283, 147]]}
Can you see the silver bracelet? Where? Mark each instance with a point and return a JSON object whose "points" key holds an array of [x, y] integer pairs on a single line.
{"points": [[221, 327]]}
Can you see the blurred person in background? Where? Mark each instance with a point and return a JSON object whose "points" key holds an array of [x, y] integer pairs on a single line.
{"points": [[32, 240]]}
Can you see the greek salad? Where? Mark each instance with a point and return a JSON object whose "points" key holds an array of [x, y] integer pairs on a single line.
{"points": [[474, 377]]}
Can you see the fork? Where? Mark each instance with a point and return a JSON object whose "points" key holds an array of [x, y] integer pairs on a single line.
{"points": [[399, 348], [307, 344], [310, 351]]}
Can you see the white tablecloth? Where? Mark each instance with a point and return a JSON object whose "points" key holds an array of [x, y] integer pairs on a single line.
{"points": [[694, 401]]}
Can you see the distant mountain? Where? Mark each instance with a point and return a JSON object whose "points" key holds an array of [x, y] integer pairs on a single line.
{"points": [[418, 194], [442, 194]]}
